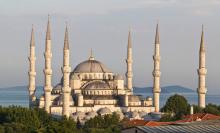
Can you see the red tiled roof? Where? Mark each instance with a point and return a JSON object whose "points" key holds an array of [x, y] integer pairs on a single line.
{"points": [[137, 122], [187, 118], [201, 116], [155, 123], [147, 123]]}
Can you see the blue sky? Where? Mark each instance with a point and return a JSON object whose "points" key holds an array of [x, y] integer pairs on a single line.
{"points": [[103, 26]]}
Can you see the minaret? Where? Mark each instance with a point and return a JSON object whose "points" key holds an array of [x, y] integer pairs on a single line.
{"points": [[202, 73], [66, 73], [48, 70], [156, 72], [129, 63], [32, 72]]}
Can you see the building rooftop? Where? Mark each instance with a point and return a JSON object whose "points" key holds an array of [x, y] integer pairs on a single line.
{"points": [[180, 129]]}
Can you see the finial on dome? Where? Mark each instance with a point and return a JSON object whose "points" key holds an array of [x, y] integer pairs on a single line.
{"points": [[91, 55]]}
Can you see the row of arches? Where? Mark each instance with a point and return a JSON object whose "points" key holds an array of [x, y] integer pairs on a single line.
{"points": [[85, 76], [98, 92]]}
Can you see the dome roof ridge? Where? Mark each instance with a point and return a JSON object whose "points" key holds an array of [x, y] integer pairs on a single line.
{"points": [[91, 66]]}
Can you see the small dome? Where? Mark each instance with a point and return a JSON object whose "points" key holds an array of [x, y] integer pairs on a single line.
{"points": [[120, 114], [91, 66], [134, 114], [90, 115], [104, 111], [79, 115], [97, 85], [118, 77], [142, 114], [57, 89], [59, 100], [149, 99], [133, 98]]}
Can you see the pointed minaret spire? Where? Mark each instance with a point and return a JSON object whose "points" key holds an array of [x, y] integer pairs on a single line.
{"points": [[202, 71], [48, 70], [129, 61], [66, 73], [202, 45], [129, 38], [157, 36], [48, 37], [32, 36], [156, 72], [66, 39], [32, 72]]}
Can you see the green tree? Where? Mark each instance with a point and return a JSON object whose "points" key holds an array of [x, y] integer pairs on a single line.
{"points": [[197, 109], [177, 106], [212, 109]]}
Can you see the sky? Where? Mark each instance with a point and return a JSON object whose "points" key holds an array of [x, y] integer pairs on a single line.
{"points": [[103, 26]]}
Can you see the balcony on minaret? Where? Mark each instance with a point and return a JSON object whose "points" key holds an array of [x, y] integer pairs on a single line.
{"points": [[48, 71], [31, 73], [156, 58], [202, 90], [66, 69], [202, 71], [156, 73]]}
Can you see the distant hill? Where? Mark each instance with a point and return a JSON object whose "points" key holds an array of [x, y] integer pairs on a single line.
{"points": [[19, 88], [166, 89]]}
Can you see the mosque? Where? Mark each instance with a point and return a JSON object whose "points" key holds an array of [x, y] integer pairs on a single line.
{"points": [[92, 89]]}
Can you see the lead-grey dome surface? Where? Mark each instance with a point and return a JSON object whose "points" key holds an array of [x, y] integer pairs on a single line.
{"points": [[97, 85], [91, 66]]}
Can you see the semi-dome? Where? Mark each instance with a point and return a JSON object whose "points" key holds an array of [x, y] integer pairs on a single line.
{"points": [[97, 85], [104, 111], [91, 66]]}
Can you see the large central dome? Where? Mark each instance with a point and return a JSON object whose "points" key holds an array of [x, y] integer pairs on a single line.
{"points": [[91, 66]]}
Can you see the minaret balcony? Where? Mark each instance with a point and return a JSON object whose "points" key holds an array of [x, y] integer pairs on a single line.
{"points": [[48, 71], [202, 71], [129, 74], [156, 58], [129, 60], [66, 69], [202, 90], [156, 73], [32, 73], [47, 88], [156, 90], [48, 54], [31, 88], [32, 58]]}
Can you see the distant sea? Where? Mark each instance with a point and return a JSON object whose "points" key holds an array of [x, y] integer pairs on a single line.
{"points": [[19, 96]]}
